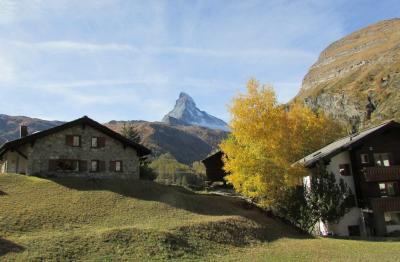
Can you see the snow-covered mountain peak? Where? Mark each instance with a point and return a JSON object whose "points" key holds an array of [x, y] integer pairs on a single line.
{"points": [[186, 112]]}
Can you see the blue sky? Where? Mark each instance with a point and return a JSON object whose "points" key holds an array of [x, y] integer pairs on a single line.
{"points": [[116, 59]]}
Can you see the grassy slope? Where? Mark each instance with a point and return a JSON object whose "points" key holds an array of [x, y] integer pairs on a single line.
{"points": [[69, 219]]}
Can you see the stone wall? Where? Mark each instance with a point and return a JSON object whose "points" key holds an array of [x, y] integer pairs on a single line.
{"points": [[54, 147]]}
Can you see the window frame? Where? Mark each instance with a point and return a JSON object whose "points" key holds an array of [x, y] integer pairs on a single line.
{"points": [[65, 162], [120, 166], [79, 141], [385, 192], [113, 166], [364, 160], [392, 222], [379, 157], [97, 166], [97, 142]]}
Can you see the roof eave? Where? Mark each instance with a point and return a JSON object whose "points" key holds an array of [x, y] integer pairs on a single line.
{"points": [[350, 144]]}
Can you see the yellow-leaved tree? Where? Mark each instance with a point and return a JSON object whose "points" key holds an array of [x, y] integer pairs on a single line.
{"points": [[267, 138]]}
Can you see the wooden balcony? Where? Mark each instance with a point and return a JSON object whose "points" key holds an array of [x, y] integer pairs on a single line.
{"points": [[381, 173], [386, 204]]}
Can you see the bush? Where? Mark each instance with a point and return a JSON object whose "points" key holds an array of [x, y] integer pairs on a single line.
{"points": [[146, 173]]}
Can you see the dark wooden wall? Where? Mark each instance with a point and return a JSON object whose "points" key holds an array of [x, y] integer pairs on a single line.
{"points": [[387, 141], [214, 167]]}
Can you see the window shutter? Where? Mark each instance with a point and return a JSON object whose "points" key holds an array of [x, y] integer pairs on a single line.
{"points": [[102, 166], [82, 165], [102, 141], [52, 164], [122, 166], [69, 140], [112, 166]]}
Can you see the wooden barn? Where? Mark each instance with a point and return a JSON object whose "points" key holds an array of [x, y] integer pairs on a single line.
{"points": [[215, 167]]}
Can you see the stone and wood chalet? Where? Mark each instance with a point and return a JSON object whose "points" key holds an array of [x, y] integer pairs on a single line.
{"points": [[369, 162], [80, 148]]}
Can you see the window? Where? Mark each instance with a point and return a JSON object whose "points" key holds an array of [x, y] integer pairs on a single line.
{"points": [[364, 159], [73, 140], [382, 159], [98, 142], [388, 189], [392, 218], [116, 166], [94, 166], [95, 142], [76, 141], [344, 170], [65, 165]]}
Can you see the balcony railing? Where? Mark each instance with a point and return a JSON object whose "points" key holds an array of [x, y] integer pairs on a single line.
{"points": [[381, 173], [386, 204]]}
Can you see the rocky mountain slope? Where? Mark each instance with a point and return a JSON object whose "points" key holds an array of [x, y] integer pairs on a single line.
{"points": [[364, 63], [185, 142], [186, 112], [9, 126]]}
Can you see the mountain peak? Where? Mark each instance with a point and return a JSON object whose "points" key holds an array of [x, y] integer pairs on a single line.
{"points": [[186, 112], [184, 95], [184, 98]]}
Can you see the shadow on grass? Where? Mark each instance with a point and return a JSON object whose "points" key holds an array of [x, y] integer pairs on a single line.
{"points": [[179, 197], [2, 193], [7, 246]]}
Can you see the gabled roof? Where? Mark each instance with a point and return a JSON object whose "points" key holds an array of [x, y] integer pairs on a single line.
{"points": [[214, 155], [14, 144], [345, 143]]}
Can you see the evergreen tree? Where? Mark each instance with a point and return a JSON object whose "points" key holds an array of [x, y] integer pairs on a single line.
{"points": [[293, 206], [131, 133], [325, 197]]}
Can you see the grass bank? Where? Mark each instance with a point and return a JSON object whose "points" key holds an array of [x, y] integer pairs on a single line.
{"points": [[75, 219]]}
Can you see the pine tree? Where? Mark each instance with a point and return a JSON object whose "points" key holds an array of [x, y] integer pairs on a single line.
{"points": [[325, 197], [131, 133]]}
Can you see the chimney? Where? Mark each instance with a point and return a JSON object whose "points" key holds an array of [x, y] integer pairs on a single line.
{"points": [[23, 131]]}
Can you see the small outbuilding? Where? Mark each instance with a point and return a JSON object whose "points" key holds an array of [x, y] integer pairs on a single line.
{"points": [[215, 167]]}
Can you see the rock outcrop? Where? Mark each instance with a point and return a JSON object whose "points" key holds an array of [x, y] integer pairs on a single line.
{"points": [[363, 64]]}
